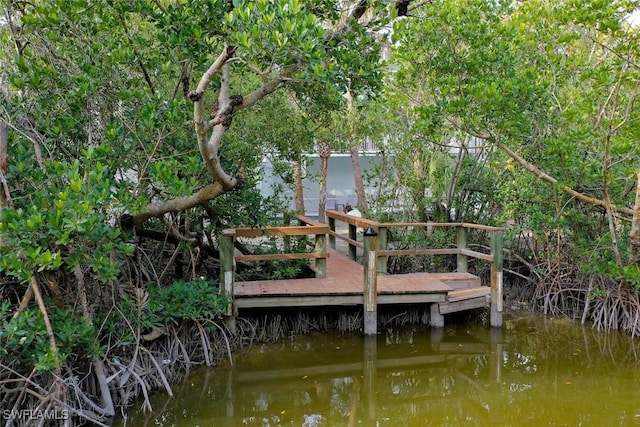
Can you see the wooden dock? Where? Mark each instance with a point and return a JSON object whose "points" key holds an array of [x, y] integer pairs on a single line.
{"points": [[341, 281], [343, 285]]}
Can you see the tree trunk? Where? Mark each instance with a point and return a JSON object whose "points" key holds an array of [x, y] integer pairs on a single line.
{"points": [[635, 227], [419, 189], [357, 176], [324, 151], [355, 156], [297, 186]]}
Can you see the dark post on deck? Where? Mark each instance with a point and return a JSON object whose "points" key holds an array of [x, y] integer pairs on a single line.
{"points": [[370, 282]]}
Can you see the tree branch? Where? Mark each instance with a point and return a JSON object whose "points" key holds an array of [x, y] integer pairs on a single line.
{"points": [[158, 209], [551, 180], [223, 115]]}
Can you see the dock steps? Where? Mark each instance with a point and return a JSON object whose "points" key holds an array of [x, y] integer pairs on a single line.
{"points": [[465, 299], [464, 294], [458, 280]]}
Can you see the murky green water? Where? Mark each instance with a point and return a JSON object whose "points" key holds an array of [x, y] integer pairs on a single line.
{"points": [[535, 372]]}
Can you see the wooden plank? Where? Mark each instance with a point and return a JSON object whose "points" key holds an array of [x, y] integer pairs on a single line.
{"points": [[469, 293], [308, 221], [420, 224], [299, 301], [275, 257], [482, 227], [346, 239], [388, 299], [299, 230], [352, 220], [458, 280], [343, 286], [475, 254], [452, 251], [469, 304]]}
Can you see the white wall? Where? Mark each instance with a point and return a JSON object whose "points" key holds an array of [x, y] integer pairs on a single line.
{"points": [[340, 182]]}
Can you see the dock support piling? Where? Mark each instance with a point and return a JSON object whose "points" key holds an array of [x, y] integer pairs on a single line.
{"points": [[370, 283], [497, 242], [437, 319], [227, 278], [369, 374]]}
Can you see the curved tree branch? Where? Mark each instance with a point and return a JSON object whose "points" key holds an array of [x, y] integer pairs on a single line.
{"points": [[210, 132], [551, 180], [157, 209]]}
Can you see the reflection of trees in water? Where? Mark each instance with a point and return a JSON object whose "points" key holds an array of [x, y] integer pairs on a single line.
{"points": [[556, 369], [535, 372]]}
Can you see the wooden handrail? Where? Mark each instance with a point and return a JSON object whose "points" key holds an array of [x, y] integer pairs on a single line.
{"points": [[441, 224], [279, 257], [452, 251], [364, 223], [353, 220], [296, 230], [308, 221], [346, 239]]}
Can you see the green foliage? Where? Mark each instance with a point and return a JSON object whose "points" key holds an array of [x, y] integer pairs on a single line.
{"points": [[25, 340], [276, 31], [437, 238], [279, 269], [192, 300], [554, 83], [63, 224]]}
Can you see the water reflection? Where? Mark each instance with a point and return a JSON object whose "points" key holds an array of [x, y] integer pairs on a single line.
{"points": [[534, 372]]}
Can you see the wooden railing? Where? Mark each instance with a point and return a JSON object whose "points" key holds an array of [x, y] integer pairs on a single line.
{"points": [[307, 227], [375, 254]]}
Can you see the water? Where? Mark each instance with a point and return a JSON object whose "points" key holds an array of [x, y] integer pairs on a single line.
{"points": [[535, 372]]}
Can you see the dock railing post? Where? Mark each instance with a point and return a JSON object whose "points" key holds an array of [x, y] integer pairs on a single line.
{"points": [[227, 274], [497, 242], [332, 227], [461, 242], [321, 263], [382, 244], [370, 282], [353, 235]]}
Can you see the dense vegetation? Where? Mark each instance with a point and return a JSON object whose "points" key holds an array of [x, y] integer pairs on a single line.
{"points": [[131, 133]]}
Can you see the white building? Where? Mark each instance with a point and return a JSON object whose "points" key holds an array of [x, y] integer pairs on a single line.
{"points": [[340, 180]]}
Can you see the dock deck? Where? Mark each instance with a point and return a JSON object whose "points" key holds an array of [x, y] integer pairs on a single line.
{"points": [[343, 285], [340, 280]]}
